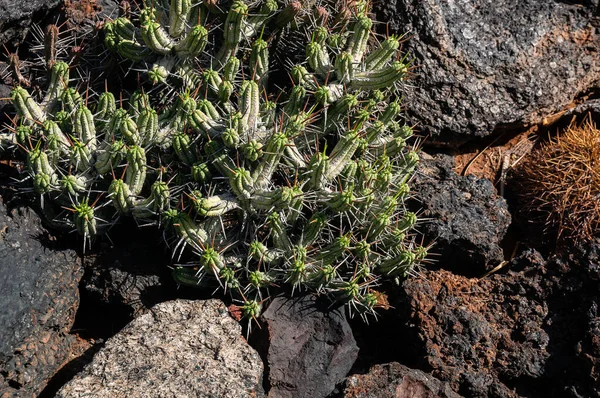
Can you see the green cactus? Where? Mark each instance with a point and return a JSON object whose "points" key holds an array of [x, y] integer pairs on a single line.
{"points": [[265, 183]]}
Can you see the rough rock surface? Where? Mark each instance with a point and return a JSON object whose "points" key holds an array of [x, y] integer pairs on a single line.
{"points": [[179, 348], [486, 65], [310, 350], [40, 296], [467, 220], [130, 273], [393, 380], [16, 17], [530, 332]]}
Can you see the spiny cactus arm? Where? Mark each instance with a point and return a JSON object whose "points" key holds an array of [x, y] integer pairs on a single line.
{"points": [[81, 157], [124, 29], [216, 205], [357, 44], [389, 145], [342, 153], [105, 108], [155, 204], [405, 167], [249, 106], [187, 230], [261, 253], [278, 232], [121, 196], [147, 126], [338, 112], [55, 138], [211, 262], [342, 201], [84, 219], [154, 34], [381, 78], [293, 157], [242, 184], [301, 76], [73, 185], [161, 70], [265, 200], [182, 145], [26, 106], [218, 157], [332, 252], [318, 58], [201, 173], [344, 67], [259, 62], [398, 264], [256, 20], [136, 169], [382, 54], [321, 277], [233, 30], [287, 15], [133, 50], [84, 127], [59, 79], [317, 171], [193, 43], [179, 14], [109, 156], [275, 147]]}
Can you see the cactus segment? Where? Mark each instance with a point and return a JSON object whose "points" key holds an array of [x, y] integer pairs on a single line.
{"points": [[178, 16], [381, 78], [26, 107]]}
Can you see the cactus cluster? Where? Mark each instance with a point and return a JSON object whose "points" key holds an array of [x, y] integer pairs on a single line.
{"points": [[298, 181]]}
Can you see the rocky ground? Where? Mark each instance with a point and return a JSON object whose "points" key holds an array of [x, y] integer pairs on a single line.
{"points": [[500, 311]]}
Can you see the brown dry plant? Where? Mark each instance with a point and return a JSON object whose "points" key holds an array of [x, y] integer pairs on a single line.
{"points": [[561, 181]]}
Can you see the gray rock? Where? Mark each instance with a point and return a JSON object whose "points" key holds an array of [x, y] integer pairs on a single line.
{"points": [[310, 351], [466, 219], [40, 296], [16, 17], [179, 348], [489, 65], [393, 380]]}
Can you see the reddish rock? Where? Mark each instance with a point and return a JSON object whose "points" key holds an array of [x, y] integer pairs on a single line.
{"points": [[530, 331], [394, 380]]}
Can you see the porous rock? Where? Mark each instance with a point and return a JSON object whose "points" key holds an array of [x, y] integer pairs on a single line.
{"points": [[491, 65], [181, 348], [310, 349], [40, 296], [16, 17], [464, 216], [393, 380], [528, 332]]}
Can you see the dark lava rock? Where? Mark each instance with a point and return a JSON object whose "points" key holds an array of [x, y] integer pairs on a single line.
{"points": [[465, 217], [310, 350], [40, 296], [16, 17], [131, 273], [530, 332], [489, 65], [393, 380]]}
